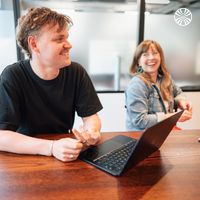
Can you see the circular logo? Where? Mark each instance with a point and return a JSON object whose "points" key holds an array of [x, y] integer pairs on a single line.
{"points": [[183, 16]]}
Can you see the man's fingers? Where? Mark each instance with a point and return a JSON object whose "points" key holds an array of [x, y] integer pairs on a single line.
{"points": [[78, 135]]}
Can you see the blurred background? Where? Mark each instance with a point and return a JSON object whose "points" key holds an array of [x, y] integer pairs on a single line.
{"points": [[106, 32]]}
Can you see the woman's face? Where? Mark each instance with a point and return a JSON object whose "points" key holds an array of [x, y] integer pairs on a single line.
{"points": [[150, 61]]}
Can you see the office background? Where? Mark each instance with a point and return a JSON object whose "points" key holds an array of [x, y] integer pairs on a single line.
{"points": [[104, 37]]}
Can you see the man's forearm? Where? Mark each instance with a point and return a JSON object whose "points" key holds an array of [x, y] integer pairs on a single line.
{"points": [[17, 143], [92, 123]]}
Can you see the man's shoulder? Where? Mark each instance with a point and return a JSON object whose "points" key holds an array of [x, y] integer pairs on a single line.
{"points": [[15, 67], [76, 69], [14, 71], [76, 66]]}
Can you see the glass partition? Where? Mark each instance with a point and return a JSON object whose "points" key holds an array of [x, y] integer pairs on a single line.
{"points": [[104, 43], [104, 37], [180, 42], [7, 35]]}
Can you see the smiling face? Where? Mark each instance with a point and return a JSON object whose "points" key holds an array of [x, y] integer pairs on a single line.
{"points": [[52, 47], [150, 61]]}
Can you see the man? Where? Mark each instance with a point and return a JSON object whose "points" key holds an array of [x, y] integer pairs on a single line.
{"points": [[42, 94]]}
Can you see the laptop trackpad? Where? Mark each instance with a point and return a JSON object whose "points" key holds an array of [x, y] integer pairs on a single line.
{"points": [[107, 146]]}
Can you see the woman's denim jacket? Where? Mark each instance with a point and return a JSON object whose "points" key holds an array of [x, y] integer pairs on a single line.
{"points": [[145, 105]]}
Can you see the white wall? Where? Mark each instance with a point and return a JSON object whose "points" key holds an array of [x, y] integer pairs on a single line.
{"points": [[113, 113], [7, 39], [194, 123]]}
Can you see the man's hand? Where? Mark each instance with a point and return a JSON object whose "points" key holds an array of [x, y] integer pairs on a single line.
{"points": [[66, 149], [87, 137]]}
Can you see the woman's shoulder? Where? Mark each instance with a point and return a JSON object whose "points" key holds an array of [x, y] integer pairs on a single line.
{"points": [[137, 86], [136, 81]]}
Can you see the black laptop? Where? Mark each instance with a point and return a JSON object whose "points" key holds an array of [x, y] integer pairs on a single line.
{"points": [[120, 153]]}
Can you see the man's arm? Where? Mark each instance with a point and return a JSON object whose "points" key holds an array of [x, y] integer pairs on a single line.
{"points": [[14, 142], [65, 149], [90, 131], [92, 123]]}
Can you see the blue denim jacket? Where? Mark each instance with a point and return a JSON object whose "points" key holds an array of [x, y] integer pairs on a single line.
{"points": [[145, 105]]}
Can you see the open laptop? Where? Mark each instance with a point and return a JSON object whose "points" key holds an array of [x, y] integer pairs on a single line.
{"points": [[120, 153]]}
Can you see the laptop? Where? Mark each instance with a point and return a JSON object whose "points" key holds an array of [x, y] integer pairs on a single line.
{"points": [[118, 154]]}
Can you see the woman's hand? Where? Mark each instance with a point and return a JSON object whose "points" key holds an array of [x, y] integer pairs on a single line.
{"points": [[185, 116], [187, 107]]}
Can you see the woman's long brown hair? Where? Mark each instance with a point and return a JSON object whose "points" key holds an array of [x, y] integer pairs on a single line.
{"points": [[165, 86]]}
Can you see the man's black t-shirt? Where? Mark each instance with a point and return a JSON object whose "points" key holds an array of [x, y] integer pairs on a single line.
{"points": [[31, 105]]}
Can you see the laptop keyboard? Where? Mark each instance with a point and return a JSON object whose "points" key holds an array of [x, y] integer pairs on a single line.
{"points": [[116, 159]]}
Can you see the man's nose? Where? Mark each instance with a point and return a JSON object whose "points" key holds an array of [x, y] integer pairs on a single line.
{"points": [[67, 45]]}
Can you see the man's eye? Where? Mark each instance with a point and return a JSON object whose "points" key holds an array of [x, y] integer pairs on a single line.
{"points": [[59, 39]]}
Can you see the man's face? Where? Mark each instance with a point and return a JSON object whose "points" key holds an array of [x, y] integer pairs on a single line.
{"points": [[53, 47]]}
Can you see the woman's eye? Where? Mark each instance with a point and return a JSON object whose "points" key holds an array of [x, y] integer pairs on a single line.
{"points": [[145, 54]]}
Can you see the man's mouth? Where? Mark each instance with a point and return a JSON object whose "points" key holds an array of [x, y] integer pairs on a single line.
{"points": [[65, 53]]}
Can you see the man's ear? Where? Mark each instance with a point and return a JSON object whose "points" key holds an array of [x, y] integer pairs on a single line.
{"points": [[32, 43]]}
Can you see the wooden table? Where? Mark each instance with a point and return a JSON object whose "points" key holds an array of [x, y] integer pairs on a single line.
{"points": [[171, 173]]}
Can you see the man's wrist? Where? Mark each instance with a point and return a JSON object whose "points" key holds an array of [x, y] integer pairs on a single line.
{"points": [[51, 148]]}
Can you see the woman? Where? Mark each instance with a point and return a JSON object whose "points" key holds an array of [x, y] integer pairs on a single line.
{"points": [[151, 95]]}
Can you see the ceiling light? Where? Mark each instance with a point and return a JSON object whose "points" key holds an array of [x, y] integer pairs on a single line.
{"points": [[157, 1]]}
